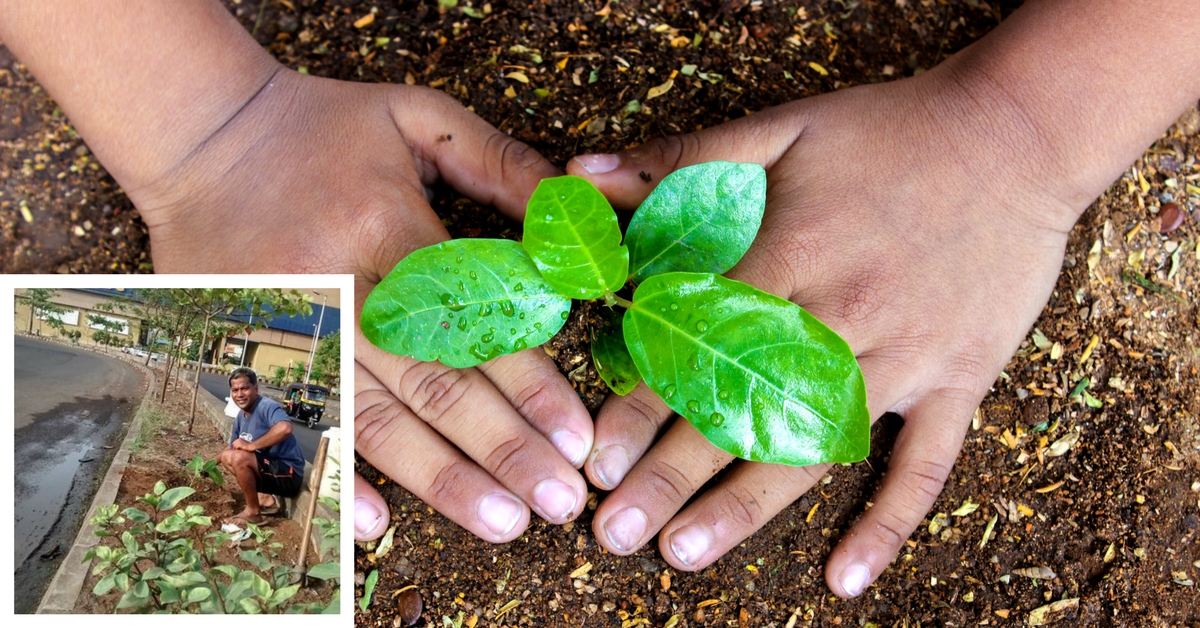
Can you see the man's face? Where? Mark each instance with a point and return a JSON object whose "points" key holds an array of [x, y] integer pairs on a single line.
{"points": [[244, 394]]}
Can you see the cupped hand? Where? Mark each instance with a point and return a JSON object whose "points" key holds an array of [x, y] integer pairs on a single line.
{"points": [[321, 176], [909, 217]]}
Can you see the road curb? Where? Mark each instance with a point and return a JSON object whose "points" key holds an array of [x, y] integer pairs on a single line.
{"points": [[65, 587]]}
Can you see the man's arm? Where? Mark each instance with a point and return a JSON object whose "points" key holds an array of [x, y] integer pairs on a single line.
{"points": [[274, 436], [144, 81]]}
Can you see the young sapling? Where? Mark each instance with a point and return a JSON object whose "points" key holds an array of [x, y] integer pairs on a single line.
{"points": [[757, 375]]}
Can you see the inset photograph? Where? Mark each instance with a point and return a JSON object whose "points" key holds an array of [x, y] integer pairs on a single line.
{"points": [[177, 450]]}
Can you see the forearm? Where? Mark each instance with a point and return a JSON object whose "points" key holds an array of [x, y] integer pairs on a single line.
{"points": [[1090, 83], [274, 436], [144, 81]]}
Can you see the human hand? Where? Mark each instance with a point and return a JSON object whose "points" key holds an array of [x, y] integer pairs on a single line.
{"points": [[241, 445], [911, 219], [321, 176]]}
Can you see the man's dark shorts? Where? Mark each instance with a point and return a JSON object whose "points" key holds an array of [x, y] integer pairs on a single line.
{"points": [[277, 478]]}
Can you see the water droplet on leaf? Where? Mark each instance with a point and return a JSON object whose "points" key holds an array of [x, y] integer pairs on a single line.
{"points": [[485, 309], [488, 337], [462, 324], [519, 344], [669, 391], [722, 394], [454, 303], [473, 276], [702, 326], [717, 419], [566, 315], [693, 406], [507, 308], [519, 287], [477, 353]]}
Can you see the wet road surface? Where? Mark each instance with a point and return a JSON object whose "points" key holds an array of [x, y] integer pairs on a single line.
{"points": [[71, 409]]}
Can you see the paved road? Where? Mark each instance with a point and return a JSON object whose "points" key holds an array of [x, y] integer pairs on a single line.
{"points": [[70, 406], [218, 385]]}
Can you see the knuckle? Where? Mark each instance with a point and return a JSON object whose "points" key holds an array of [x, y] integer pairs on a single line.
{"points": [[740, 506], [643, 410], [374, 412], [432, 389], [924, 480], [505, 459], [535, 398], [889, 530], [451, 483], [513, 156], [667, 483]]}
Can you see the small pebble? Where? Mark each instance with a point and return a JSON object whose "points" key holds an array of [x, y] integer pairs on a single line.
{"points": [[1171, 217], [359, 578], [404, 568]]}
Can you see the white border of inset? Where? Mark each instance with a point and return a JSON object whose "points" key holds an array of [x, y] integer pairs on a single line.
{"points": [[344, 283]]}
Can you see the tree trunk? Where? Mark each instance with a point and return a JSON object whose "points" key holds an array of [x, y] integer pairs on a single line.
{"points": [[171, 357], [199, 368]]}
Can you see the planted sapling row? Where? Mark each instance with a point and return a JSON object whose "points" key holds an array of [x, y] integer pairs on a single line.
{"points": [[759, 376]]}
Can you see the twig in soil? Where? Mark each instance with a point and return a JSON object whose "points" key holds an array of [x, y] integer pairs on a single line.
{"points": [[1131, 277]]}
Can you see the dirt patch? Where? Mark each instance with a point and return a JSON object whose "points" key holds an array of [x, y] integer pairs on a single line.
{"points": [[163, 449]]}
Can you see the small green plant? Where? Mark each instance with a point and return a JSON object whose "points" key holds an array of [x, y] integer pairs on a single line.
{"points": [[205, 468], [330, 530], [165, 561], [759, 376]]}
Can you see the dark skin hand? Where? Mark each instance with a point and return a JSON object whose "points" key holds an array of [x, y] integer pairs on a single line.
{"points": [[924, 220]]}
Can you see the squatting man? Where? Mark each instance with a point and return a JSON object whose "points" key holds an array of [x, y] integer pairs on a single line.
{"points": [[262, 454]]}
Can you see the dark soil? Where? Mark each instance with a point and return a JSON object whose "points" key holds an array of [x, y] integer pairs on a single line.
{"points": [[165, 448], [1121, 532]]}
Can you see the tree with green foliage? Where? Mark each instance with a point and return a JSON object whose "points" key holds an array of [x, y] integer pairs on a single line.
{"points": [[108, 330], [41, 306], [327, 362]]}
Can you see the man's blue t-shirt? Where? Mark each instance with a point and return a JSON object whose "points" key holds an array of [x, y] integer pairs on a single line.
{"points": [[266, 413]]}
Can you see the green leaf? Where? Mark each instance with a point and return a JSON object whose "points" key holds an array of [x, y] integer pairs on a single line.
{"points": [[282, 595], [136, 515], [571, 232], [255, 557], [701, 218], [463, 302], [199, 594], [159, 487], [334, 606], [325, 571], [250, 606], [612, 358], [105, 585], [189, 579], [368, 589], [760, 377], [174, 496]]}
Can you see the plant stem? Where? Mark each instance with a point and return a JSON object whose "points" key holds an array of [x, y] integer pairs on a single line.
{"points": [[610, 299]]}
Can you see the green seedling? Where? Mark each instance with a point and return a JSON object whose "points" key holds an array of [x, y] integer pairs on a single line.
{"points": [[757, 375], [205, 468]]}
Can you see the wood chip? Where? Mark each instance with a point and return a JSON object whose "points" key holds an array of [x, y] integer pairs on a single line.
{"points": [[581, 571], [1051, 487], [1042, 615], [385, 545], [507, 607], [707, 603], [988, 530], [817, 68], [517, 76], [1063, 445], [364, 20], [812, 511]]}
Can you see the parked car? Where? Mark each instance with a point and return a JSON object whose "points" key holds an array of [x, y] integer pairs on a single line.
{"points": [[305, 403]]}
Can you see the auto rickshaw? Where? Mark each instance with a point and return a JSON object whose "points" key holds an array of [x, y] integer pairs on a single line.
{"points": [[306, 403]]}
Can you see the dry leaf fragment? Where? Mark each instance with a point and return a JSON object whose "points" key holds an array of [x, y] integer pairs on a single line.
{"points": [[665, 581], [707, 603], [581, 571], [988, 530], [1063, 445], [680, 42], [385, 545], [517, 76], [967, 508], [507, 607], [1003, 612], [817, 68], [812, 511], [1110, 553], [659, 90], [1040, 616], [938, 522], [1181, 578], [1087, 352], [1037, 573], [672, 621], [364, 20], [1048, 488], [510, 92]]}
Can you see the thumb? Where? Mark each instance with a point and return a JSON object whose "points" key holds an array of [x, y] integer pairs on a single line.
{"points": [[370, 511], [468, 153], [627, 177]]}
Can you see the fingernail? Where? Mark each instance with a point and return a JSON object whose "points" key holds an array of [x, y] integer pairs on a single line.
{"points": [[690, 543], [612, 463], [625, 529], [854, 578], [570, 445], [555, 500], [599, 164], [499, 513], [366, 518]]}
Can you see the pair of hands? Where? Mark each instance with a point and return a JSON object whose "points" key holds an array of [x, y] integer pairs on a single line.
{"points": [[890, 216]]}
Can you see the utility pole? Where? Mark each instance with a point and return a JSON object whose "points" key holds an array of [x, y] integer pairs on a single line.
{"points": [[316, 333]]}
